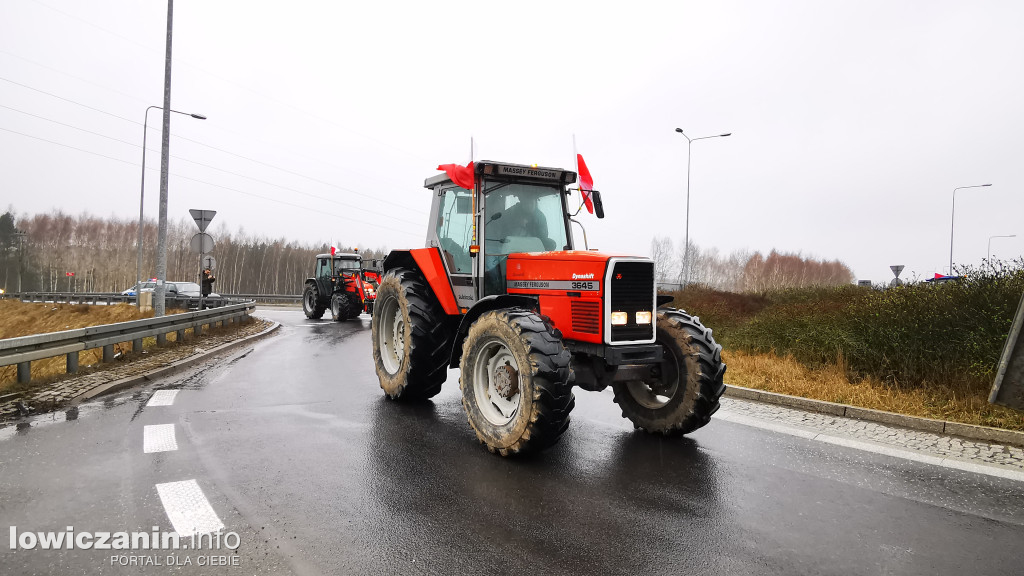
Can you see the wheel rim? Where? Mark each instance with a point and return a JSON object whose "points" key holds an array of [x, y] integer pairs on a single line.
{"points": [[310, 300], [336, 306], [497, 383], [656, 393], [391, 335]]}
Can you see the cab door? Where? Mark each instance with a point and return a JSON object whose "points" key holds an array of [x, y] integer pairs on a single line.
{"points": [[453, 234], [323, 276]]}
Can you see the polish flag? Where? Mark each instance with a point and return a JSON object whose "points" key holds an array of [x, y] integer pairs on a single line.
{"points": [[586, 183]]}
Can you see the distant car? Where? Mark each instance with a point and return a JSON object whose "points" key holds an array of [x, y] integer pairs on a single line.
{"points": [[188, 289], [174, 289], [146, 287]]}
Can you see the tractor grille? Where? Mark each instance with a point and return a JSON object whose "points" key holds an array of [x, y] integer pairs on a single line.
{"points": [[586, 317], [632, 290]]}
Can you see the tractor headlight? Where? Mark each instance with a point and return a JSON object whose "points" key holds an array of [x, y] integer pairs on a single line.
{"points": [[619, 318], [643, 317]]}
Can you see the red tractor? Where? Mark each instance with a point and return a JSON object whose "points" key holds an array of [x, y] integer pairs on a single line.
{"points": [[501, 293], [338, 284]]}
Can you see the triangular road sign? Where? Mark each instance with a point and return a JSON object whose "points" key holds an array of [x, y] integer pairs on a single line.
{"points": [[202, 218], [896, 269]]}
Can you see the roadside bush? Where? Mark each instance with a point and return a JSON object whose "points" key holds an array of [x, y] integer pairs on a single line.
{"points": [[943, 332], [950, 333], [718, 309]]}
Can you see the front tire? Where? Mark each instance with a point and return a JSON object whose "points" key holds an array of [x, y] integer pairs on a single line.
{"points": [[516, 382], [679, 395], [311, 303], [411, 339], [340, 305]]}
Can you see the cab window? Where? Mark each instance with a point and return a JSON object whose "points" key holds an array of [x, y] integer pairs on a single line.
{"points": [[455, 228]]}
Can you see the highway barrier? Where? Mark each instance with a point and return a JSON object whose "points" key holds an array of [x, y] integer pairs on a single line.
{"points": [[23, 350]]}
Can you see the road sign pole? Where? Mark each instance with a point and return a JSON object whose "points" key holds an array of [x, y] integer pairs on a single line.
{"points": [[202, 297]]}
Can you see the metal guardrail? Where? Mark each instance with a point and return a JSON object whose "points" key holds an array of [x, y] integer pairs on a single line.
{"points": [[171, 302], [25, 349], [182, 302], [268, 298]]}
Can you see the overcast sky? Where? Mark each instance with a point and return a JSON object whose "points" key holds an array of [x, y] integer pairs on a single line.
{"points": [[852, 122]]}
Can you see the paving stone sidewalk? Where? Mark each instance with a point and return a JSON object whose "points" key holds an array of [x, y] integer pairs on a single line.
{"points": [[925, 442], [51, 396]]}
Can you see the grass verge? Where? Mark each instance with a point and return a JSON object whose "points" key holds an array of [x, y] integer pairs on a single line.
{"points": [[966, 402]]}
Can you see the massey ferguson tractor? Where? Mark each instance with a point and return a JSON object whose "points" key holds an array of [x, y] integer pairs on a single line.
{"points": [[338, 285], [501, 293]]}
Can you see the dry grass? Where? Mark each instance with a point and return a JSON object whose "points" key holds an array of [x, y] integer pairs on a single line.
{"points": [[966, 402], [28, 318]]}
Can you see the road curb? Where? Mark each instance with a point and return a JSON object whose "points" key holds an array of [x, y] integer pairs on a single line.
{"points": [[172, 368], [969, 431]]}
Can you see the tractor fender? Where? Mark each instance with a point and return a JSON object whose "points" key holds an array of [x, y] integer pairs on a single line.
{"points": [[310, 282], [428, 262], [486, 304]]}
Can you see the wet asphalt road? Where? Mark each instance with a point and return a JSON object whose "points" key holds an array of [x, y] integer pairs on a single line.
{"points": [[299, 453]]}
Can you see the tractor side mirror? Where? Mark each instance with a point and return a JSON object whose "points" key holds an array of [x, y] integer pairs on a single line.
{"points": [[598, 205]]}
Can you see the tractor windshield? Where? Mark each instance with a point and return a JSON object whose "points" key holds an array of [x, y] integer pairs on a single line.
{"points": [[519, 218], [523, 218], [346, 264]]}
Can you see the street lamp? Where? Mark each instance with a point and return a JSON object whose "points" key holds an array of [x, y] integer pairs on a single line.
{"points": [[990, 244], [142, 197], [686, 247], [952, 220]]}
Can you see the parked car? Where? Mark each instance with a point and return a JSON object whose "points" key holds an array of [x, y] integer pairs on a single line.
{"points": [[174, 289], [188, 289], [147, 286]]}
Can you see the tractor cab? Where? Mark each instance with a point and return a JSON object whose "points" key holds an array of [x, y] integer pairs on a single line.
{"points": [[522, 209], [331, 270]]}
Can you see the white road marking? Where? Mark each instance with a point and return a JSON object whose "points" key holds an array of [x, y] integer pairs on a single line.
{"points": [[954, 463], [162, 398], [158, 438], [188, 509]]}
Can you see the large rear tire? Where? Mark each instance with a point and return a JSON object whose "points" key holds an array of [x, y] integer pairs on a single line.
{"points": [[311, 303], [516, 382], [679, 395], [411, 339]]}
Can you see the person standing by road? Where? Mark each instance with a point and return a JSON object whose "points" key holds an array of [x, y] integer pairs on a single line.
{"points": [[207, 283]]}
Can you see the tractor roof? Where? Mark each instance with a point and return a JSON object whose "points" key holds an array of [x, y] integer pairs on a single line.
{"points": [[342, 255], [507, 171]]}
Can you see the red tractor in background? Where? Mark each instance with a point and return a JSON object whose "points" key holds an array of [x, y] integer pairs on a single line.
{"points": [[501, 293], [341, 285]]}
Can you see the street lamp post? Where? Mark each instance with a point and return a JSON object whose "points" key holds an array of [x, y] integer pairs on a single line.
{"points": [[990, 244], [142, 197], [21, 255], [952, 219], [686, 246]]}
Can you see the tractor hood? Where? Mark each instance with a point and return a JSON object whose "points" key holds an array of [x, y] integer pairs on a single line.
{"points": [[559, 265]]}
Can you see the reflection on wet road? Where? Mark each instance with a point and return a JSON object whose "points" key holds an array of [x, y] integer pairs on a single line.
{"points": [[298, 451]]}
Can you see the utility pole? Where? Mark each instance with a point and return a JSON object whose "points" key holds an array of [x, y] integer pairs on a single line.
{"points": [[165, 156], [21, 255]]}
